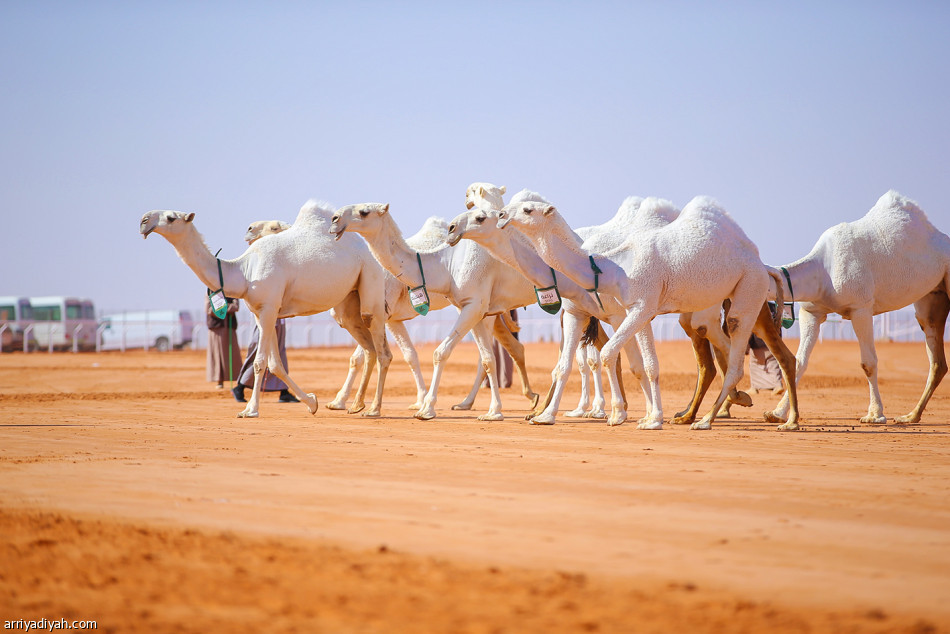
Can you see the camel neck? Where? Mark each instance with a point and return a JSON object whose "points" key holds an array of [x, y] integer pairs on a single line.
{"points": [[391, 250], [808, 278], [193, 251], [562, 249]]}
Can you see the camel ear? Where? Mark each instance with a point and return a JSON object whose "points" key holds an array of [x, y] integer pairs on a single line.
{"points": [[384, 209], [481, 191], [502, 189], [190, 217], [550, 209]]}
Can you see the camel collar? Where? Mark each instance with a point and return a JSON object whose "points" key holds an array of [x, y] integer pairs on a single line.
{"points": [[597, 274], [418, 296], [549, 299], [219, 303], [788, 321]]}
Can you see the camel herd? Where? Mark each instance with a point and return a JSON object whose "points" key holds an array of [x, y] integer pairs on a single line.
{"points": [[651, 258]]}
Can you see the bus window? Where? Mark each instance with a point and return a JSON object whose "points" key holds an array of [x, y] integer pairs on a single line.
{"points": [[47, 313]]}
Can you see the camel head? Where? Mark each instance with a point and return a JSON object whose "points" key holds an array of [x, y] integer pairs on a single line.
{"points": [[528, 216], [262, 228], [484, 196], [166, 223], [360, 218], [473, 224]]}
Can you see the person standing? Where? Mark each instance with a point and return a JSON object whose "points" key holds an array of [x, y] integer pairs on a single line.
{"points": [[224, 352]]}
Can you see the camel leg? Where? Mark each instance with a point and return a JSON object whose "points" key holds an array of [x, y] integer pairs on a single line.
{"points": [[931, 312], [637, 318], [347, 314], [766, 329], [653, 418], [746, 308], [401, 335], [584, 368], [468, 317], [706, 369], [598, 401], [516, 350], [573, 329], [268, 350], [863, 322], [809, 325], [383, 357], [469, 401], [356, 363], [483, 341]]}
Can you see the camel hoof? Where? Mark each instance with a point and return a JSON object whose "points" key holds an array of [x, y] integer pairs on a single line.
{"points": [[744, 400], [371, 414], [789, 426], [907, 419], [576, 413], [680, 419], [415, 406], [356, 409], [650, 424], [424, 415], [771, 417], [311, 402], [491, 417], [541, 419], [462, 406], [872, 419], [702, 425], [616, 420], [724, 414], [336, 405], [247, 414], [597, 414]]}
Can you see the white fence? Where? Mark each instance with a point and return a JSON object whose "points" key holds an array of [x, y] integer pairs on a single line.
{"points": [[536, 325]]}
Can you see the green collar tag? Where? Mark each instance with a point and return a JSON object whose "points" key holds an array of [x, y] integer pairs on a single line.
{"points": [[219, 303], [549, 299], [419, 299], [418, 296], [597, 274], [788, 312]]}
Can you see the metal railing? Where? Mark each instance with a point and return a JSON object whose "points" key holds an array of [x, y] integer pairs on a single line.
{"points": [[322, 331]]}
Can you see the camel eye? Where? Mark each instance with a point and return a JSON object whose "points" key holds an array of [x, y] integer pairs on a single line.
{"points": [[527, 210], [364, 212], [480, 219]]}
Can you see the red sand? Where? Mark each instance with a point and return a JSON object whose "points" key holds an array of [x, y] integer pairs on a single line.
{"points": [[131, 495]]}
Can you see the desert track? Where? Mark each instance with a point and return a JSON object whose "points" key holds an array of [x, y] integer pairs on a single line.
{"points": [[131, 495]]}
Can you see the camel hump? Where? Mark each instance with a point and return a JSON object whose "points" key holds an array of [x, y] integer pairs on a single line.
{"points": [[528, 196], [315, 212], [431, 237]]}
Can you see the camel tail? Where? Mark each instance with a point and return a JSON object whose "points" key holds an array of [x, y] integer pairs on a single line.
{"points": [[590, 333], [776, 275]]}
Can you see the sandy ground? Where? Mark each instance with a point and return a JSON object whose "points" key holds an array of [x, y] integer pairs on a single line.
{"points": [[131, 495]]}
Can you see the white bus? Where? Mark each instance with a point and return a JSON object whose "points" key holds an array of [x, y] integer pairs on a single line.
{"points": [[64, 322], [15, 314], [159, 329]]}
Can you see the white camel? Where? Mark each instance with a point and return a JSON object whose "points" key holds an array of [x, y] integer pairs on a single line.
{"points": [[429, 238], [475, 282], [300, 271], [260, 228], [890, 258], [695, 262], [480, 224]]}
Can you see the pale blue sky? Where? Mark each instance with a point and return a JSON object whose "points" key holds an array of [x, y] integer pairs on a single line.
{"points": [[795, 116]]}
